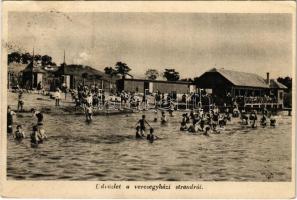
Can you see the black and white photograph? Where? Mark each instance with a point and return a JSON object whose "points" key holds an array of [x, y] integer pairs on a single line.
{"points": [[149, 96]]}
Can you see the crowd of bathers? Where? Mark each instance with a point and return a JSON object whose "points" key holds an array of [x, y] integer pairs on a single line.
{"points": [[211, 121], [193, 122]]}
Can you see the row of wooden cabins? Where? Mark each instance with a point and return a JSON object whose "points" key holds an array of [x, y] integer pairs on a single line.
{"points": [[219, 82]]}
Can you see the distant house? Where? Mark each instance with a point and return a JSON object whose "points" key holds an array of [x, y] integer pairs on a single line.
{"points": [[152, 86], [277, 89], [14, 73], [223, 82], [32, 75], [72, 75]]}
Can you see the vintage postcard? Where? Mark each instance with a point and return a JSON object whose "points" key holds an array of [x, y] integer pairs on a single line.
{"points": [[148, 99]]}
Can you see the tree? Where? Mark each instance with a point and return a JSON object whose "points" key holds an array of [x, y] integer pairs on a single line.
{"points": [[26, 58], [152, 74], [14, 57], [122, 69], [46, 60], [171, 75], [287, 81], [37, 57], [109, 71]]}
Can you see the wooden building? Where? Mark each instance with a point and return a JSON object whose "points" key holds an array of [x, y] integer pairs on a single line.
{"points": [[72, 75], [224, 82], [153, 86], [15, 74], [32, 75], [51, 77]]}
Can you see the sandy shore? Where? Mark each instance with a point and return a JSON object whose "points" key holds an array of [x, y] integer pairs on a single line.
{"points": [[41, 102]]}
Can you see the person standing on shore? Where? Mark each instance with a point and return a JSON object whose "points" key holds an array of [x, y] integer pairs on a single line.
{"points": [[20, 101], [39, 87], [64, 89], [57, 97], [10, 115]]}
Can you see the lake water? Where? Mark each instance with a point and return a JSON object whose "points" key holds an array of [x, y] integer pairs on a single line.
{"points": [[106, 149]]}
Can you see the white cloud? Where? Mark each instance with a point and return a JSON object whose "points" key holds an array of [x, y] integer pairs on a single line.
{"points": [[82, 58]]}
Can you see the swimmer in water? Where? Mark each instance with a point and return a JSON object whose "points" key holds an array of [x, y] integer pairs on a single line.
{"points": [[263, 121], [183, 126], [272, 121], [207, 128], [156, 113], [89, 113], [19, 134], [138, 135], [222, 120], [10, 115], [193, 128], [34, 137], [38, 115], [142, 123], [41, 133], [163, 118], [244, 118], [253, 119], [151, 137]]}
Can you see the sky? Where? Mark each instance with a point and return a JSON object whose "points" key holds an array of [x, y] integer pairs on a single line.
{"points": [[191, 43]]}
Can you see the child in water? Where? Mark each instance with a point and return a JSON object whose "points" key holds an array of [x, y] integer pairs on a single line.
{"points": [[156, 113], [41, 133], [151, 137], [253, 119], [163, 118], [89, 113], [138, 135], [38, 115], [207, 128], [34, 136], [142, 123], [272, 121], [183, 126], [19, 134], [10, 115], [37, 136], [263, 121]]}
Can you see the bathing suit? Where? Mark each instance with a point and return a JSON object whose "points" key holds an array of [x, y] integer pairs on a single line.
{"points": [[141, 122], [150, 137]]}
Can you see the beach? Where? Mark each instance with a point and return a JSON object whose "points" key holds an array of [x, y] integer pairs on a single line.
{"points": [[106, 149]]}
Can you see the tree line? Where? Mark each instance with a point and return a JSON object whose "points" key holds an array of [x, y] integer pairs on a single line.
{"points": [[122, 69], [26, 58]]}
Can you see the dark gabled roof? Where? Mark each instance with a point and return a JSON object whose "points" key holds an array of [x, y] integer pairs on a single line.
{"points": [[276, 85], [78, 70], [15, 67], [34, 67], [242, 78]]}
